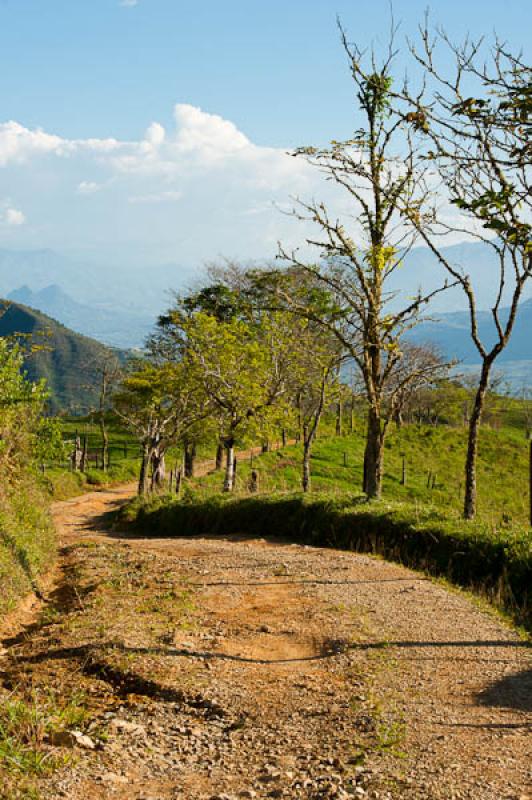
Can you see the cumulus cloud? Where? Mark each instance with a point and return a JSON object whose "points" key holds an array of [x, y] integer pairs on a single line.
{"points": [[202, 164], [13, 217], [18, 144]]}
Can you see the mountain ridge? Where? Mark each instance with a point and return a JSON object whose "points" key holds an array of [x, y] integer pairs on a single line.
{"points": [[62, 358]]}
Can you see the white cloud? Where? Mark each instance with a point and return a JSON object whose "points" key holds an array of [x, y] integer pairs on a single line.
{"points": [[155, 135], [208, 135], [129, 3], [18, 144], [88, 187], [191, 189], [13, 217]]}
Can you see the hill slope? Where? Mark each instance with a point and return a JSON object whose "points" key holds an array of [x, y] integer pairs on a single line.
{"points": [[63, 360], [117, 328]]}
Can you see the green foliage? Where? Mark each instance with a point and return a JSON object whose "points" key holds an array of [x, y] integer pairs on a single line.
{"points": [[27, 540], [26, 537], [374, 93], [239, 366], [49, 443], [26, 726]]}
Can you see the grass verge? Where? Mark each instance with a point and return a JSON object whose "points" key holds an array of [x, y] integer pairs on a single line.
{"points": [[27, 542]]}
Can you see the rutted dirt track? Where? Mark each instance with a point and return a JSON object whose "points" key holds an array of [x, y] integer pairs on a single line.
{"points": [[234, 667]]}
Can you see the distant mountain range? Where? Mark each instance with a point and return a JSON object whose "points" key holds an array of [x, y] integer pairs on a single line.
{"points": [[451, 332], [421, 269], [117, 328], [64, 360], [143, 293], [103, 285], [119, 306]]}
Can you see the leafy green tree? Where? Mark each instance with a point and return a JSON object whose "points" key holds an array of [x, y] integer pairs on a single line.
{"points": [[160, 403], [21, 406], [22, 509], [239, 368]]}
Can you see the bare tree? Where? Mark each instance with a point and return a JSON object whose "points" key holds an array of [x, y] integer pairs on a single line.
{"points": [[476, 123], [421, 367], [106, 371], [380, 171]]}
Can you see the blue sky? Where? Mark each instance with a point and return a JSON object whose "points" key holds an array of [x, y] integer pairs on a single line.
{"points": [[101, 67], [80, 79]]}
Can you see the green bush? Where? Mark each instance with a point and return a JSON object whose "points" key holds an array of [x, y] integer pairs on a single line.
{"points": [[494, 563]]}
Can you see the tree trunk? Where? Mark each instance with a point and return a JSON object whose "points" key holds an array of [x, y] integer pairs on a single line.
{"points": [[77, 455], [229, 481], [190, 457], [105, 443], [266, 447], [158, 468], [305, 479], [84, 454], [283, 436], [373, 456], [219, 456], [339, 418], [470, 500], [144, 468]]}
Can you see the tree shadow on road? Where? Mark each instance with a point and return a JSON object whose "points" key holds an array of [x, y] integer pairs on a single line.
{"points": [[511, 691]]}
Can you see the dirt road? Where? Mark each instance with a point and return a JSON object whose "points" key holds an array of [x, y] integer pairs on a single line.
{"points": [[241, 668]]}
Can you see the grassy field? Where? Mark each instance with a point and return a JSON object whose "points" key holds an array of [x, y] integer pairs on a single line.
{"points": [[60, 482], [432, 455]]}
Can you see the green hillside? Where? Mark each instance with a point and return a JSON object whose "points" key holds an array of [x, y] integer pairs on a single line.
{"points": [[62, 358]]}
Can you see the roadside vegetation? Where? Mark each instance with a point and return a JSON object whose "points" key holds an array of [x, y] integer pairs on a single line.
{"points": [[418, 524], [27, 542]]}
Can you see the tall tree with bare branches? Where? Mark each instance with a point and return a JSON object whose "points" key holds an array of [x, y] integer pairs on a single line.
{"points": [[476, 121], [380, 172]]}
